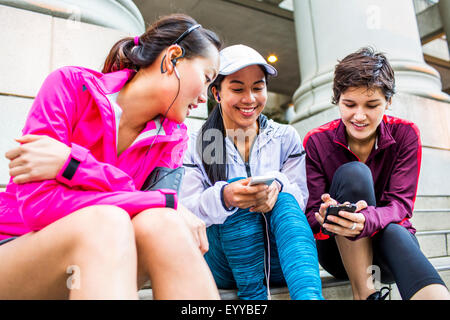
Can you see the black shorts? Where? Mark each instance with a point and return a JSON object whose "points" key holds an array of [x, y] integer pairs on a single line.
{"points": [[395, 250], [6, 240]]}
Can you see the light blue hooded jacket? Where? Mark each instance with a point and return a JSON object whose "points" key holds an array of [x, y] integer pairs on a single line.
{"points": [[277, 151]]}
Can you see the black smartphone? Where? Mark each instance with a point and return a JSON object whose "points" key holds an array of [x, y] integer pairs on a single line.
{"points": [[164, 178], [334, 211]]}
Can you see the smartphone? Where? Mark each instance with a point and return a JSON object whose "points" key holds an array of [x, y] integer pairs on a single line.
{"points": [[261, 180], [334, 211]]}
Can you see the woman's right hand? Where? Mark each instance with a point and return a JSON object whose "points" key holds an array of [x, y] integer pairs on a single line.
{"points": [[348, 224], [37, 158], [326, 202], [240, 195]]}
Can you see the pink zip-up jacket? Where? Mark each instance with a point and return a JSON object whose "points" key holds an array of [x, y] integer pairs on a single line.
{"points": [[73, 108]]}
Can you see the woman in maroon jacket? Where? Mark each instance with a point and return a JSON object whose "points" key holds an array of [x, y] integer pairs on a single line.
{"points": [[371, 160]]}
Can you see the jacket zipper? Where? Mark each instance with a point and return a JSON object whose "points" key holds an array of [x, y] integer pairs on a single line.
{"points": [[371, 155], [347, 149], [246, 163], [266, 249], [266, 227]]}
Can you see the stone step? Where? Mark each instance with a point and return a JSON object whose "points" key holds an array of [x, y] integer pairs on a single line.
{"points": [[434, 244], [431, 219], [332, 289], [431, 202]]}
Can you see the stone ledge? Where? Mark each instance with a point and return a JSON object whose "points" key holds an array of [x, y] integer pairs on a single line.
{"points": [[332, 289]]}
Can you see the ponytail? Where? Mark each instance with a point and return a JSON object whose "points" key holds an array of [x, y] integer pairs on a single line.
{"points": [[132, 54], [117, 59]]}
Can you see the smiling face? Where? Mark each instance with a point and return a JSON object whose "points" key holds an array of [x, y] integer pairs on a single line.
{"points": [[195, 76], [362, 110], [243, 96]]}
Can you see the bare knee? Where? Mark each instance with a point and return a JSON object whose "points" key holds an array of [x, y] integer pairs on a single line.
{"points": [[162, 230], [162, 238], [159, 225], [103, 231]]}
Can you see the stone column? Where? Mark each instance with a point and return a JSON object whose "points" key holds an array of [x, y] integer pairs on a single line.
{"points": [[40, 36], [444, 11], [328, 30]]}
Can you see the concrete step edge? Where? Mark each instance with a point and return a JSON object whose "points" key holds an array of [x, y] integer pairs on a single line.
{"points": [[435, 232], [328, 282], [432, 210]]}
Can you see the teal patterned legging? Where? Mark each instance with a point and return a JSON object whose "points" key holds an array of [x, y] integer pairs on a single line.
{"points": [[237, 252]]}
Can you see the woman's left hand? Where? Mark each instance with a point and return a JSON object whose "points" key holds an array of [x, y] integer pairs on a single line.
{"points": [[196, 226], [37, 158], [349, 224], [269, 202]]}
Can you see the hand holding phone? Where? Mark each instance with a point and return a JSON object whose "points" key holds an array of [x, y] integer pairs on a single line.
{"points": [[261, 180], [333, 210]]}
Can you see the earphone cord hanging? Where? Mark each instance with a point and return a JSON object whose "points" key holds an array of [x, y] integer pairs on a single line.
{"points": [[160, 127], [267, 258]]}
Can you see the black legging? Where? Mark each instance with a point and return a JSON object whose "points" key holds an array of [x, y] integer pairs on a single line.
{"points": [[395, 250]]}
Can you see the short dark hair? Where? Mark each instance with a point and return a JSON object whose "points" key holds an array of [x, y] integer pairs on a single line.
{"points": [[364, 68]]}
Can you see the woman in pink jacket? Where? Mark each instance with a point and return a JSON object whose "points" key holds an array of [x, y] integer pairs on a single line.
{"points": [[90, 232]]}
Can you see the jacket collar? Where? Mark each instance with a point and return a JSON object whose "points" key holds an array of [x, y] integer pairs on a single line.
{"points": [[384, 136], [263, 121], [109, 82], [100, 85]]}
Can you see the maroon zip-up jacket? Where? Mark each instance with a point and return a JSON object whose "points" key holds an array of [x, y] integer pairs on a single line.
{"points": [[394, 163]]}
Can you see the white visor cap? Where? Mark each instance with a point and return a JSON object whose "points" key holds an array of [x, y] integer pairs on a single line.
{"points": [[234, 58]]}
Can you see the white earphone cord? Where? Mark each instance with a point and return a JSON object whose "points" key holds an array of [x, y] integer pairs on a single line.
{"points": [[267, 267]]}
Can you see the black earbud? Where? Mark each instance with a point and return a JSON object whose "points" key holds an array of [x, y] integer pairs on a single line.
{"points": [[218, 97], [177, 42], [174, 62]]}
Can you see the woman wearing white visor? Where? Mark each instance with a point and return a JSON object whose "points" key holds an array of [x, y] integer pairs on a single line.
{"points": [[258, 234]]}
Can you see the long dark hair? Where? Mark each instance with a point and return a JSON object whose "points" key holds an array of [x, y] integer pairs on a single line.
{"points": [[215, 166], [161, 34]]}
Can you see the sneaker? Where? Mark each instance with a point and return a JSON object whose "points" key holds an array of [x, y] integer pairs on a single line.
{"points": [[378, 295]]}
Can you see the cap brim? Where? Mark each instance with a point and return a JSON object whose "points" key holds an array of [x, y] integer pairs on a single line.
{"points": [[232, 69]]}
